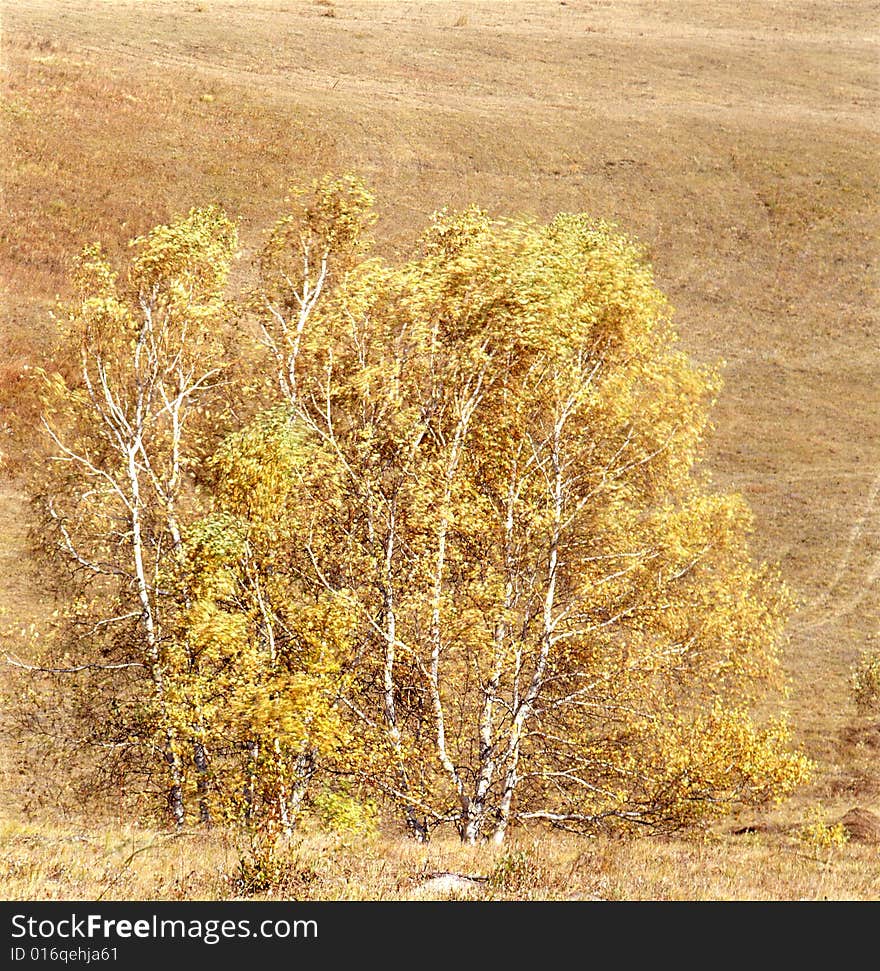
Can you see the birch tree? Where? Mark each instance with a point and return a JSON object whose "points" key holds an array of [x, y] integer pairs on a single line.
{"points": [[124, 429], [267, 664], [558, 617]]}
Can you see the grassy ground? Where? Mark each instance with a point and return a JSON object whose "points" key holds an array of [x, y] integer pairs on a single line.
{"points": [[41, 862], [737, 140]]}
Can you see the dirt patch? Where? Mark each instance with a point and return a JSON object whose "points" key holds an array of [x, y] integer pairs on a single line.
{"points": [[862, 736], [763, 828], [863, 826]]}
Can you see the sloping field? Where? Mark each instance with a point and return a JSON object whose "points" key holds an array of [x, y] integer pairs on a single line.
{"points": [[737, 140]]}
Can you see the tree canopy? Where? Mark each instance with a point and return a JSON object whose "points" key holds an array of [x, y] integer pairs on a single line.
{"points": [[461, 556]]}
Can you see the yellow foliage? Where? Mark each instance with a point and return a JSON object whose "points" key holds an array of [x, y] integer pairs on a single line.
{"points": [[465, 558], [821, 835], [495, 453], [866, 682]]}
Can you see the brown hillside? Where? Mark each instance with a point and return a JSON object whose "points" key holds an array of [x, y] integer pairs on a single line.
{"points": [[737, 140]]}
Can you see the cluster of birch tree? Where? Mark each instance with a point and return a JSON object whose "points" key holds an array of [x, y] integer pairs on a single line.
{"points": [[428, 534]]}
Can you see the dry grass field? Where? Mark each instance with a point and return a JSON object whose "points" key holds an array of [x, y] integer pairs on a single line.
{"points": [[737, 140]]}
